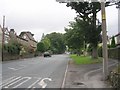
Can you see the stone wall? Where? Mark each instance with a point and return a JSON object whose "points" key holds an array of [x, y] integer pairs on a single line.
{"points": [[114, 53]]}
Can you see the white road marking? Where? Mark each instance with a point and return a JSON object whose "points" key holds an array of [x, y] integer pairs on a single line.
{"points": [[11, 81], [17, 68], [34, 83], [12, 68], [63, 83], [7, 80], [15, 82], [28, 78], [42, 83]]}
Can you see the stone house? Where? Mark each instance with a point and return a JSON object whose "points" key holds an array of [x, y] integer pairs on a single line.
{"points": [[25, 38]]}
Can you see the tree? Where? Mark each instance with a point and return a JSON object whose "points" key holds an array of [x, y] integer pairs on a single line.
{"points": [[41, 47], [46, 43], [12, 48], [113, 45], [57, 42], [87, 12], [74, 38]]}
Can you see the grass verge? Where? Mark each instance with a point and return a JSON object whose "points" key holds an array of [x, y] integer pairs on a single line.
{"points": [[85, 59]]}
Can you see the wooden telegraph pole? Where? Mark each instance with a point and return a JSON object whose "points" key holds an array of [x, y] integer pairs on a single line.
{"points": [[104, 40], [3, 37]]}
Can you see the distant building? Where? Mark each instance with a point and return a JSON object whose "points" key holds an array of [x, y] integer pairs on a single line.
{"points": [[28, 36], [25, 38]]}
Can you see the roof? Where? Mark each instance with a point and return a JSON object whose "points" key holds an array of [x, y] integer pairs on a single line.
{"points": [[117, 34], [28, 34]]}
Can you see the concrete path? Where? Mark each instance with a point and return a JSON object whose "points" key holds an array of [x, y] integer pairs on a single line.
{"points": [[86, 76]]}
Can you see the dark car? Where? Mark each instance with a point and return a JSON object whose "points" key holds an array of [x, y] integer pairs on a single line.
{"points": [[47, 54]]}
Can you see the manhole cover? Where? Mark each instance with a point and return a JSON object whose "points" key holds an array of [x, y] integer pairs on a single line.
{"points": [[78, 83]]}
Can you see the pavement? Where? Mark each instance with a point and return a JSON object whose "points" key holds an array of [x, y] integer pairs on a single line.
{"points": [[86, 76], [38, 72]]}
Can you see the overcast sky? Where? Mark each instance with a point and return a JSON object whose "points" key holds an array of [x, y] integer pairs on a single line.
{"points": [[45, 16]]}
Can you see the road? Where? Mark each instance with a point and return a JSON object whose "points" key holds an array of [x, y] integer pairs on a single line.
{"points": [[36, 72]]}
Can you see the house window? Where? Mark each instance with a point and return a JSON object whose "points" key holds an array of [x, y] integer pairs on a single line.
{"points": [[24, 37]]}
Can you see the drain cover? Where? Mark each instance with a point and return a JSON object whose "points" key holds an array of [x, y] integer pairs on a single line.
{"points": [[78, 83]]}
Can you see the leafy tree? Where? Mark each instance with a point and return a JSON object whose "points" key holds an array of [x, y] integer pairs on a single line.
{"points": [[41, 47], [74, 37], [12, 48], [87, 12], [113, 45], [46, 43], [57, 42]]}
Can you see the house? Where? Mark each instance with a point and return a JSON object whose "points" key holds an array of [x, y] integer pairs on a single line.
{"points": [[25, 38], [28, 36]]}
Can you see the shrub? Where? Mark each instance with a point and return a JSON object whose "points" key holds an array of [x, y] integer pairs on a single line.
{"points": [[13, 48]]}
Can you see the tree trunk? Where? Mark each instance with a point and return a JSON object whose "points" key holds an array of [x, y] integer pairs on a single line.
{"points": [[94, 53]]}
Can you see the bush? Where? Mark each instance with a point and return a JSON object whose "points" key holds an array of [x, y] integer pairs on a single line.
{"points": [[13, 48], [100, 51]]}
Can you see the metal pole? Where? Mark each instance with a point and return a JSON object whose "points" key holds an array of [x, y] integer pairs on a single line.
{"points": [[104, 40], [3, 37]]}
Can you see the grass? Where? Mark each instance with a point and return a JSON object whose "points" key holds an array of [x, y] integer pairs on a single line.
{"points": [[85, 59]]}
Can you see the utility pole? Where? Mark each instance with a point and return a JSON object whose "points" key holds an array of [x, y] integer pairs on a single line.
{"points": [[3, 35], [104, 40]]}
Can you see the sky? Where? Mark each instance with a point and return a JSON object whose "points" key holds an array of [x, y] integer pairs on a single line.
{"points": [[46, 16]]}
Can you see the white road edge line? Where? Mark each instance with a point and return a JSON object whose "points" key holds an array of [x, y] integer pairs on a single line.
{"points": [[86, 75], [34, 83], [28, 78], [63, 83]]}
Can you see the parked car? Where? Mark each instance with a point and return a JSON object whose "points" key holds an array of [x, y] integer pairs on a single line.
{"points": [[47, 54]]}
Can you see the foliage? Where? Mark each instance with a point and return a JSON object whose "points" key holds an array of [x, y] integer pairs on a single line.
{"points": [[40, 47], [88, 12], [57, 44], [46, 43], [12, 48], [100, 51], [85, 59], [74, 37], [113, 45]]}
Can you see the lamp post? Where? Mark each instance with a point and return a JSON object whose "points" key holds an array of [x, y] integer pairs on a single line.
{"points": [[104, 40], [3, 34]]}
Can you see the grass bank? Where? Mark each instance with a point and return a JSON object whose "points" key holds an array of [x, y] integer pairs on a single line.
{"points": [[85, 59]]}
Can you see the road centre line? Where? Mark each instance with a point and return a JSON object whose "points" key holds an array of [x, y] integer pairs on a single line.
{"points": [[12, 68], [15, 82], [34, 83], [11, 81], [28, 78], [23, 66]]}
